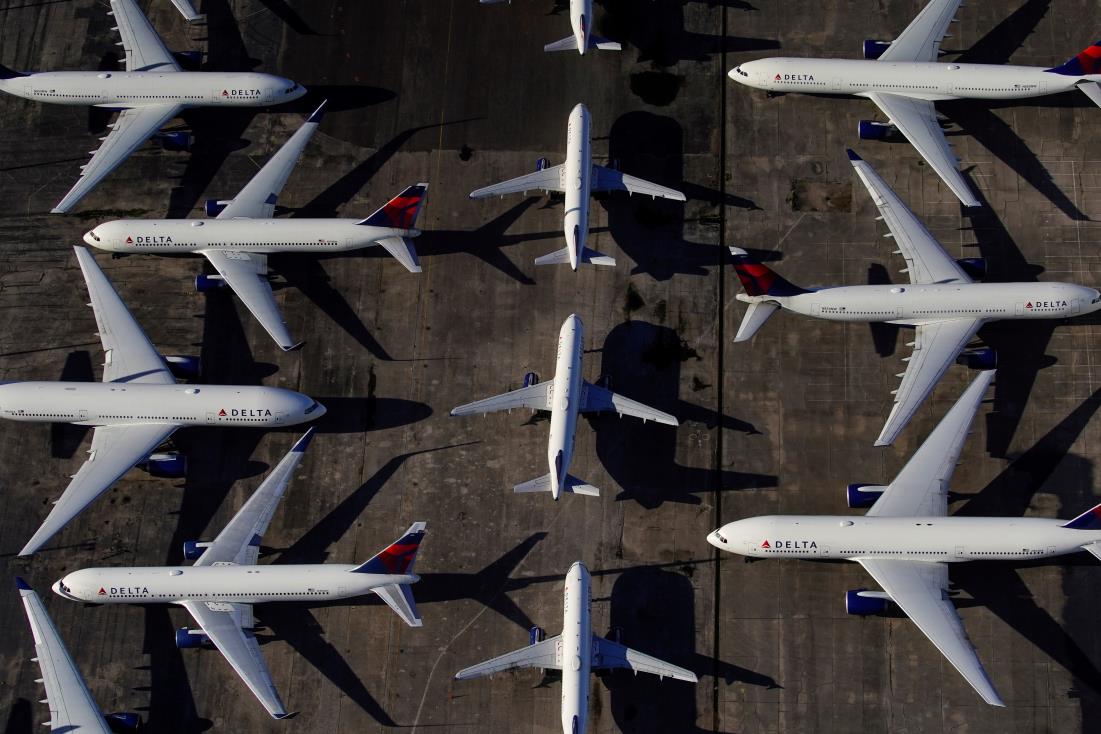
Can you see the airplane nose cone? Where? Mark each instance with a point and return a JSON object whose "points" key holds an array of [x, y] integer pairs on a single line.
{"points": [[90, 238], [716, 539]]}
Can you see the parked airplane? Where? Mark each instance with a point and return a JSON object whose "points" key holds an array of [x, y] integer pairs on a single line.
{"points": [[137, 406], [906, 540], [577, 177], [566, 395], [238, 245], [576, 652], [72, 707], [220, 589], [904, 79], [581, 19], [151, 91], [942, 303]]}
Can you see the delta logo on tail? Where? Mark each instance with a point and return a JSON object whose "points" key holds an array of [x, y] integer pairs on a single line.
{"points": [[401, 211], [399, 557], [1086, 62]]}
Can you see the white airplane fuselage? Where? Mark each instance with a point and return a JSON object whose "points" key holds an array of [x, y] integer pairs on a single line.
{"points": [[125, 89], [125, 403], [243, 584], [581, 20], [177, 236], [912, 303], [576, 651], [578, 171], [925, 80], [934, 539], [565, 401]]}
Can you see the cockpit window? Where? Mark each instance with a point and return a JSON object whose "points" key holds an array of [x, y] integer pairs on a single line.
{"points": [[739, 70], [292, 89], [93, 235], [61, 585], [314, 406]]}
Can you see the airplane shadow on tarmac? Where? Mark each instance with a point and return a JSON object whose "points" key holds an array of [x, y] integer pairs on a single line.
{"points": [[642, 361]]}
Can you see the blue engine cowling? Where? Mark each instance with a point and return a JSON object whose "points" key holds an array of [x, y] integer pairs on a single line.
{"points": [[214, 207], [871, 130], [185, 639], [178, 141], [863, 495], [192, 549], [975, 267], [874, 49], [864, 605], [166, 464], [123, 721], [531, 379], [189, 60], [208, 283], [542, 164], [983, 358], [536, 635], [184, 367]]}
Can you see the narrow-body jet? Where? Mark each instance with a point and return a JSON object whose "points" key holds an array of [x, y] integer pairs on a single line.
{"points": [[581, 21]]}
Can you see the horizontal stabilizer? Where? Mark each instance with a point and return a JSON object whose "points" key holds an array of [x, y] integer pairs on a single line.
{"points": [[399, 597], [755, 318], [1093, 549], [543, 484], [604, 44], [1091, 90], [588, 256], [403, 251], [566, 44]]}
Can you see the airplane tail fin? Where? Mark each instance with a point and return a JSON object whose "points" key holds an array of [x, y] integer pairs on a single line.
{"points": [[1088, 520], [397, 558], [758, 280], [588, 256], [543, 484], [401, 211], [399, 597], [6, 73], [1086, 62]]}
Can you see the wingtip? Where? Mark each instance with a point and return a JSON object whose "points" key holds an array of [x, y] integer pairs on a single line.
{"points": [[852, 155], [318, 113], [284, 717], [293, 347], [22, 585], [301, 444]]}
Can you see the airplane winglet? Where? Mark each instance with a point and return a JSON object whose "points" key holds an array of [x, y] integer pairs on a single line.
{"points": [[22, 585], [284, 717], [293, 347], [852, 155], [318, 113], [302, 443]]}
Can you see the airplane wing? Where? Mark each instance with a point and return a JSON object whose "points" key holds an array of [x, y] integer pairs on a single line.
{"points": [[609, 179], [257, 199], [130, 129], [916, 119], [926, 260], [547, 179], [536, 397], [921, 488], [72, 707], [545, 654], [920, 590], [187, 10], [246, 273], [115, 450], [921, 39], [222, 623], [595, 399], [608, 654], [145, 51], [128, 355], [239, 541], [936, 346]]}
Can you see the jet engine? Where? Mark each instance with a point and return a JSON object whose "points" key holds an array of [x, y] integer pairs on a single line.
{"points": [[982, 358], [536, 635], [186, 638], [874, 49], [208, 283], [863, 495], [214, 207], [542, 164], [862, 602], [123, 721], [192, 549], [177, 141], [190, 60], [184, 367], [975, 267], [166, 464], [531, 379], [871, 130]]}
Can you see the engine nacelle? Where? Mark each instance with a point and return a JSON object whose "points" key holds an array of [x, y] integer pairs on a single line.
{"points": [[208, 283], [186, 638], [862, 602], [536, 635], [983, 358], [531, 379], [188, 60], [975, 267], [872, 130], [123, 721], [214, 207], [166, 465], [177, 141], [192, 549], [874, 49], [542, 164], [184, 367], [863, 495]]}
